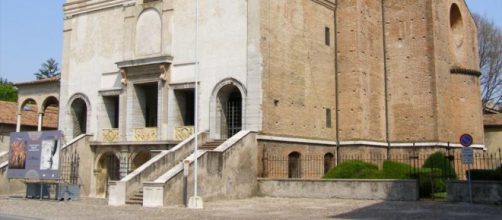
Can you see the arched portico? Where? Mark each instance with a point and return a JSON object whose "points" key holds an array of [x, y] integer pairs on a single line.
{"points": [[49, 105], [38, 104], [138, 159], [28, 107]]}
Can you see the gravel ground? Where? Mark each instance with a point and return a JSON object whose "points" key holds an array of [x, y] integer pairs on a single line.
{"points": [[254, 208]]}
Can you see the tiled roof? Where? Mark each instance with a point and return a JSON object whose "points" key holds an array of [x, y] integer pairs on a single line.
{"points": [[493, 120], [29, 117], [40, 81]]}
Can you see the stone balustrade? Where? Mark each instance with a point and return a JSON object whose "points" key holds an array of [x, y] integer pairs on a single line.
{"points": [[110, 134], [145, 134], [182, 133]]}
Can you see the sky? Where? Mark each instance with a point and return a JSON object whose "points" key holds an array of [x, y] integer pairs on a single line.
{"points": [[31, 32]]}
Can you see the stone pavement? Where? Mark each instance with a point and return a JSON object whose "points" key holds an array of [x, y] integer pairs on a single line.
{"points": [[254, 208]]}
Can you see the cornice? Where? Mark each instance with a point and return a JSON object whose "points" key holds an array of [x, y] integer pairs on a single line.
{"points": [[79, 7], [330, 4]]}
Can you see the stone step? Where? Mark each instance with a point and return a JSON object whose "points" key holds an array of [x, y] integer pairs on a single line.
{"points": [[136, 199], [134, 202]]}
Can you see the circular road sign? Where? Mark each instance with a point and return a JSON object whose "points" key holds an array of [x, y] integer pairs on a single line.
{"points": [[466, 140]]}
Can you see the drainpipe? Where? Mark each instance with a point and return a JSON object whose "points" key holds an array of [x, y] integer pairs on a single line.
{"points": [[384, 39], [337, 116]]}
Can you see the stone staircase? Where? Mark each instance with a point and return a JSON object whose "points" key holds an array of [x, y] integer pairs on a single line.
{"points": [[211, 144], [129, 190], [221, 173], [136, 198]]}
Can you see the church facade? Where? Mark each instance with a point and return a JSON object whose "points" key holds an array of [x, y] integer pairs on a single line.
{"points": [[309, 77]]}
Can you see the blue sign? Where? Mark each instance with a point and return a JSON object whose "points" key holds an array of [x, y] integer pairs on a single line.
{"points": [[466, 140], [34, 155]]}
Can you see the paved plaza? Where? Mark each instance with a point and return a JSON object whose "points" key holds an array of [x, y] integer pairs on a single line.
{"points": [[254, 208]]}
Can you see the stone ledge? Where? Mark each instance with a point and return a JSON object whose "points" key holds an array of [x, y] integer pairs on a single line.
{"points": [[394, 190], [460, 70]]}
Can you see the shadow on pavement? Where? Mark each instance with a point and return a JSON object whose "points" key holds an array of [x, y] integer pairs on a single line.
{"points": [[423, 210]]}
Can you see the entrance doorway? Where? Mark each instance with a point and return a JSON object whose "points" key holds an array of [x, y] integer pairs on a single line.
{"points": [[146, 99], [229, 111], [233, 113], [108, 170]]}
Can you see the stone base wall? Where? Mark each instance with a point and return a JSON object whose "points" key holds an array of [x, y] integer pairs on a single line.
{"points": [[397, 190], [10, 187], [482, 191], [4, 143]]}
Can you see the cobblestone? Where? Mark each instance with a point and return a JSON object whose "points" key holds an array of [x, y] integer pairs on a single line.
{"points": [[254, 208]]}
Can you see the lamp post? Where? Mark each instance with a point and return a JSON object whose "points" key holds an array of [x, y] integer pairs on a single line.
{"points": [[195, 201]]}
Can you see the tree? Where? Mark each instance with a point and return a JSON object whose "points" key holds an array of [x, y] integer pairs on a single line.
{"points": [[490, 60], [49, 69], [7, 91]]}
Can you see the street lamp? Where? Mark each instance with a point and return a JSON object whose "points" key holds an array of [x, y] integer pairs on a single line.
{"points": [[195, 202]]}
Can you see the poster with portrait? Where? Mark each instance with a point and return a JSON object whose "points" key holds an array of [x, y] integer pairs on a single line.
{"points": [[34, 155]]}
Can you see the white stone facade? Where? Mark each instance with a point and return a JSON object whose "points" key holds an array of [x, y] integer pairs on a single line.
{"points": [[112, 48]]}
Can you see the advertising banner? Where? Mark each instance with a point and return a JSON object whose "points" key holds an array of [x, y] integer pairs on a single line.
{"points": [[34, 155]]}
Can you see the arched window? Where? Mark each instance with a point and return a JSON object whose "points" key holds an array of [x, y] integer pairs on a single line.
{"points": [[148, 33], [456, 25], [79, 116], [294, 165]]}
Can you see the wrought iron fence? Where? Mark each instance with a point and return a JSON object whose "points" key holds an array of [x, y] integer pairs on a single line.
{"points": [[315, 166], [69, 165]]}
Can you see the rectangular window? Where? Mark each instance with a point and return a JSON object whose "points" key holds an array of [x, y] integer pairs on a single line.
{"points": [[328, 118], [112, 110], [327, 36]]}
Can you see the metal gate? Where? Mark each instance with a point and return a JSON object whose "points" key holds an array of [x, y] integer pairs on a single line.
{"points": [[432, 175], [113, 167], [234, 113], [69, 167]]}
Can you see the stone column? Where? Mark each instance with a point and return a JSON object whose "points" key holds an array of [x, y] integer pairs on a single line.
{"points": [[18, 123], [124, 161], [163, 100], [40, 119]]}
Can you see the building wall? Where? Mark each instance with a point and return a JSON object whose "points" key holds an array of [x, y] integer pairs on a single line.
{"points": [[100, 35], [458, 99], [411, 91], [93, 42], [425, 102], [493, 139], [298, 69], [276, 50], [361, 71]]}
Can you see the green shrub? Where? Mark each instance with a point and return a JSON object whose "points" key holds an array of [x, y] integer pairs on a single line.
{"points": [[395, 170], [353, 169], [498, 174], [486, 174], [481, 174], [439, 161]]}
